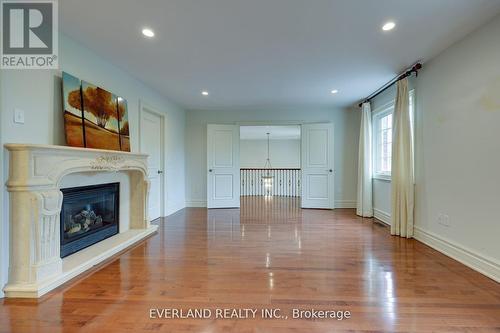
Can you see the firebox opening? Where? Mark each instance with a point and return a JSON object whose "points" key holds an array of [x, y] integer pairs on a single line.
{"points": [[89, 215]]}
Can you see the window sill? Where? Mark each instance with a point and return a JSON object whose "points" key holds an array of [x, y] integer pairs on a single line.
{"points": [[384, 178]]}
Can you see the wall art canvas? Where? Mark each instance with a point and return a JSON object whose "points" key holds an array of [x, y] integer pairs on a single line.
{"points": [[100, 118], [93, 116], [73, 114], [123, 124]]}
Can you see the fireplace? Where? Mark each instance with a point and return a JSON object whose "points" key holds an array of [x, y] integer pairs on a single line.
{"points": [[89, 215], [37, 175]]}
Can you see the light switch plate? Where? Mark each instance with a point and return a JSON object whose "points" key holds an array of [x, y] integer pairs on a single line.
{"points": [[18, 116]]}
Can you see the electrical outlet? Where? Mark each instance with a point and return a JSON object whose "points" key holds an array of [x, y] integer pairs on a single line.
{"points": [[444, 220], [18, 116]]}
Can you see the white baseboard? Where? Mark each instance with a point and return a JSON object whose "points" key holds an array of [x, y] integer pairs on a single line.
{"points": [[382, 216], [196, 203], [479, 263], [345, 203]]}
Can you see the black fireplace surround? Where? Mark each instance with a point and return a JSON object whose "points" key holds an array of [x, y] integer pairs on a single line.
{"points": [[89, 215]]}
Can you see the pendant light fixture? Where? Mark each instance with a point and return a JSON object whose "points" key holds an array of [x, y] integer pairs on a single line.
{"points": [[267, 177]]}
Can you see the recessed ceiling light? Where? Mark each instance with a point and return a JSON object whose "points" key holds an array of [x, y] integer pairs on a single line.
{"points": [[148, 32], [388, 26], [334, 91], [204, 93]]}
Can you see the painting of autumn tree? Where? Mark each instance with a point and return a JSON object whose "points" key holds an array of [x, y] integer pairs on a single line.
{"points": [[94, 117], [123, 124], [100, 118], [73, 116]]}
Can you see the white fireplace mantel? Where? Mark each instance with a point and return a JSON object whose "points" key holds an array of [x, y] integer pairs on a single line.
{"points": [[35, 174]]}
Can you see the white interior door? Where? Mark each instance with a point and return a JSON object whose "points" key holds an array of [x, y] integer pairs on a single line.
{"points": [[223, 163], [317, 166], [152, 125]]}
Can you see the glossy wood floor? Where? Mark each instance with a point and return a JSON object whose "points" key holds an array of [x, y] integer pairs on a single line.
{"points": [[273, 255]]}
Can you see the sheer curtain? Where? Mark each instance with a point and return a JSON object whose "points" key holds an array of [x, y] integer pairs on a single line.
{"points": [[402, 165], [364, 206]]}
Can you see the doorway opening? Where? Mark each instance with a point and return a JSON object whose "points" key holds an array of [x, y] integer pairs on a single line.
{"points": [[286, 161], [270, 159]]}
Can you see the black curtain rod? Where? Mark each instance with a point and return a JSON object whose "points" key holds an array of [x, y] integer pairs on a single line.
{"points": [[414, 69]]}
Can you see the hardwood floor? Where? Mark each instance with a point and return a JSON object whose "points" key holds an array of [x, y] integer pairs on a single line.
{"points": [[273, 256]]}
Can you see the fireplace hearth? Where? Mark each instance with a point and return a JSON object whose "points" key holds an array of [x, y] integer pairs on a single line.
{"points": [[89, 215]]}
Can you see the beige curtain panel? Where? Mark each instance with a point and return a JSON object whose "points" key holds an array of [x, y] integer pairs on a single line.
{"points": [[364, 205], [402, 166]]}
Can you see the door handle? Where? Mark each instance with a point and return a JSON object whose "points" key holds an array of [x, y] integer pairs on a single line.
{"points": [[210, 170], [160, 172], [330, 170]]}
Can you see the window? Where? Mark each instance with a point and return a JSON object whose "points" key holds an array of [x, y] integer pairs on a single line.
{"points": [[382, 137], [382, 134]]}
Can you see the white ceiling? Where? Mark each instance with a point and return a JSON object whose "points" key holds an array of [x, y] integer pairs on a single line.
{"points": [[275, 132], [269, 53]]}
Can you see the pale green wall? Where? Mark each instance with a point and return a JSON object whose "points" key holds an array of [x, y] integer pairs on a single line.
{"points": [[458, 144]]}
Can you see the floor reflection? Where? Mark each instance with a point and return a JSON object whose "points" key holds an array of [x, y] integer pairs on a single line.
{"points": [[270, 210], [268, 254]]}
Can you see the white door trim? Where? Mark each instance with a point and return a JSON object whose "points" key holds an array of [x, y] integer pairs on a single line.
{"points": [[145, 107]]}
